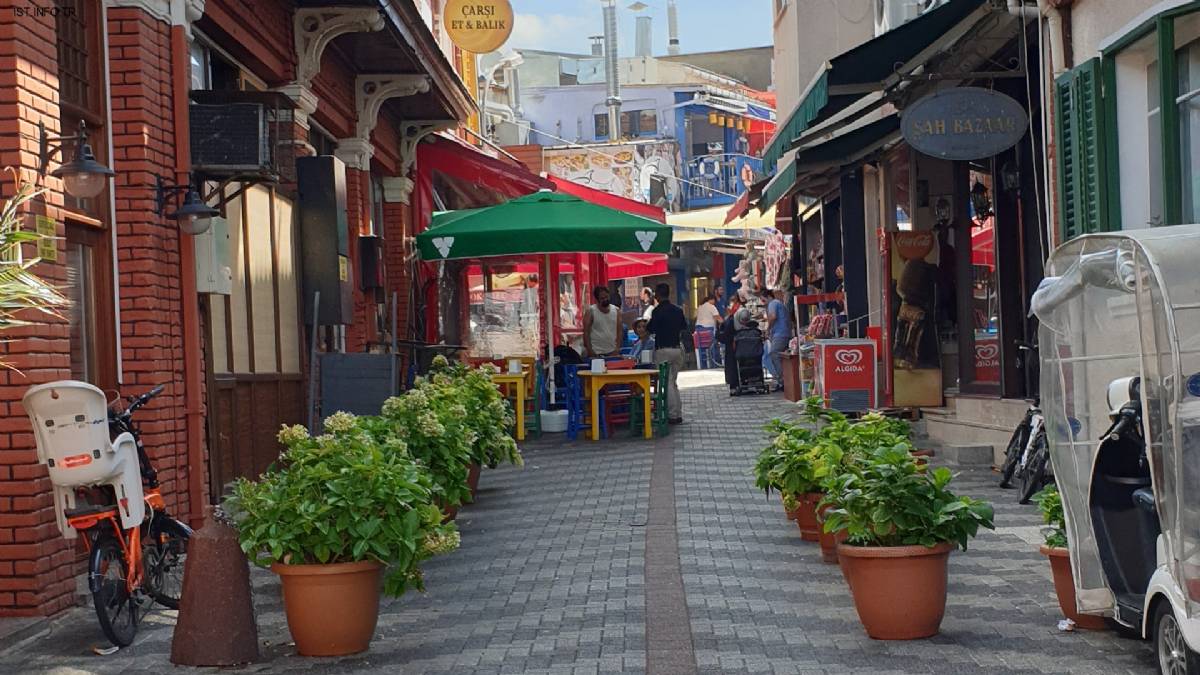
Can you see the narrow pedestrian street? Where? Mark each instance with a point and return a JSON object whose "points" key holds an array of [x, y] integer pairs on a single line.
{"points": [[597, 557]]}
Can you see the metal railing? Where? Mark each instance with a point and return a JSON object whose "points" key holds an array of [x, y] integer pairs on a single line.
{"points": [[713, 180]]}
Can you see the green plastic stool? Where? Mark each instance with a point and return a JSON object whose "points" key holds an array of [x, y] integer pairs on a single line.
{"points": [[658, 405]]}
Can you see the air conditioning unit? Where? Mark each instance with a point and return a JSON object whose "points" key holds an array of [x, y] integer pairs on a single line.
{"points": [[230, 138]]}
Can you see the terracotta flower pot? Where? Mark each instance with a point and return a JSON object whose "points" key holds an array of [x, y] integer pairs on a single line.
{"points": [[1064, 588], [473, 471], [829, 540], [806, 515], [791, 513], [331, 609], [899, 591]]}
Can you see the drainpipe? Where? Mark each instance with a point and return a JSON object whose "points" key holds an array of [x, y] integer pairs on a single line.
{"points": [[190, 299], [1053, 11]]}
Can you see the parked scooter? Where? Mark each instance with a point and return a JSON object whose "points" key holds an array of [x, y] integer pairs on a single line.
{"points": [[1120, 314]]}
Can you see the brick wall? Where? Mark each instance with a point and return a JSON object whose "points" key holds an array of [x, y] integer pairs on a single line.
{"points": [[148, 245]]}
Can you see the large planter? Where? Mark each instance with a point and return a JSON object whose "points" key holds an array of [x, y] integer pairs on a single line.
{"points": [[473, 471], [806, 515], [899, 591], [1064, 588], [331, 609], [829, 540]]}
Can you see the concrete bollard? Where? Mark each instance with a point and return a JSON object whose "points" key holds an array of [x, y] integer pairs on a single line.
{"points": [[216, 614]]}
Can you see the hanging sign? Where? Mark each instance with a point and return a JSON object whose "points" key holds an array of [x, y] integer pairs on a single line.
{"points": [[478, 26], [964, 123]]}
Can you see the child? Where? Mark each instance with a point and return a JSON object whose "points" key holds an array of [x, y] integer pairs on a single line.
{"points": [[645, 341]]}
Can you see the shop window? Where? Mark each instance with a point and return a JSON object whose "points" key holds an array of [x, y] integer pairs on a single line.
{"points": [[90, 313]]}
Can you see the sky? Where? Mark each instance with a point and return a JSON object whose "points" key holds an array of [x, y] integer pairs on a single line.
{"points": [[704, 25]]}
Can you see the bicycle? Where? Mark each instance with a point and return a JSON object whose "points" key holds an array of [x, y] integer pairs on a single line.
{"points": [[130, 569], [1027, 456]]}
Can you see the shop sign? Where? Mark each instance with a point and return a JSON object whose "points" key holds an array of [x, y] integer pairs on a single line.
{"points": [[47, 245], [964, 123], [479, 26], [987, 359]]}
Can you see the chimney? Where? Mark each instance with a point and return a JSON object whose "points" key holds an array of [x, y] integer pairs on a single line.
{"points": [[597, 45], [642, 44], [672, 28], [611, 74]]}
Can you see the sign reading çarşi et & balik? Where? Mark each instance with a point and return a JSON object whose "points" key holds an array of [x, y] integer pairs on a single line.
{"points": [[964, 123], [478, 26]]}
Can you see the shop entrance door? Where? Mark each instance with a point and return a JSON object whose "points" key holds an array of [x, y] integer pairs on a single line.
{"points": [[978, 284]]}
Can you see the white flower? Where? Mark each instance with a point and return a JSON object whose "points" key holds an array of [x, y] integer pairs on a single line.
{"points": [[289, 435], [339, 422]]}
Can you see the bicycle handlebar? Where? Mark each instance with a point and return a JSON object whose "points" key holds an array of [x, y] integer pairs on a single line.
{"points": [[1127, 417], [142, 400]]}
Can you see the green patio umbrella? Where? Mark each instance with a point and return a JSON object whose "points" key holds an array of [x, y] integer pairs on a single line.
{"points": [[544, 222]]}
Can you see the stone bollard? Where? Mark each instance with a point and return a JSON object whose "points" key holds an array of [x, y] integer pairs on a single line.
{"points": [[216, 614]]}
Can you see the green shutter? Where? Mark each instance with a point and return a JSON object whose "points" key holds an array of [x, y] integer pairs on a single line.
{"points": [[1082, 149]]}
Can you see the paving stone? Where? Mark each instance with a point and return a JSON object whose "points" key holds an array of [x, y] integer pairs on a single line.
{"points": [[551, 579]]}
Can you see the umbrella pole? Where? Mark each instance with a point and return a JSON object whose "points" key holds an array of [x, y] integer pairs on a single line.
{"points": [[550, 330]]}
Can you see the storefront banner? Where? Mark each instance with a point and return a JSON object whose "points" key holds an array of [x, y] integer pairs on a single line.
{"points": [[964, 123]]}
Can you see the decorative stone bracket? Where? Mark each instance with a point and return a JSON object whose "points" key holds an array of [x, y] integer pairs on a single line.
{"points": [[313, 29], [370, 93], [399, 188]]}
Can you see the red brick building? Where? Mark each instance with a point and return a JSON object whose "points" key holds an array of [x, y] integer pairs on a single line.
{"points": [[219, 317]]}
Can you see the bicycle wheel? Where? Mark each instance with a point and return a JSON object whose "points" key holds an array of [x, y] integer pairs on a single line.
{"points": [[1012, 455], [1034, 476], [115, 608], [164, 552]]}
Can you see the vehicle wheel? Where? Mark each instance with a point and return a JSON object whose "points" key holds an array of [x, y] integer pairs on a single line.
{"points": [[164, 551], [115, 608], [1034, 476], [1012, 455], [1174, 656]]}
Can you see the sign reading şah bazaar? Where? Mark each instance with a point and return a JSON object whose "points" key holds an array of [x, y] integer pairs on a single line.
{"points": [[479, 26], [964, 123]]}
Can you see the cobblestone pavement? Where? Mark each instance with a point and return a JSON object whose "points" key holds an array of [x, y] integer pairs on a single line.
{"points": [[552, 578]]}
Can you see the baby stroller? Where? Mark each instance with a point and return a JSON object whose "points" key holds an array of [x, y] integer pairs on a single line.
{"points": [[748, 353]]}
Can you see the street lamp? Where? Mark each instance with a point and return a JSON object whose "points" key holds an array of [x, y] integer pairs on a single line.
{"points": [[83, 177], [509, 60], [193, 215]]}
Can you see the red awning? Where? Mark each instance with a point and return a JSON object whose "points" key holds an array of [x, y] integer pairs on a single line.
{"points": [[620, 265], [739, 208], [465, 162]]}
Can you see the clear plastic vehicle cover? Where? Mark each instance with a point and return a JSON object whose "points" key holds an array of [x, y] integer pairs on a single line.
{"points": [[1115, 305]]}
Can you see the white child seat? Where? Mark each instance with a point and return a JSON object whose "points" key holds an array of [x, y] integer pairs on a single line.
{"points": [[70, 423]]}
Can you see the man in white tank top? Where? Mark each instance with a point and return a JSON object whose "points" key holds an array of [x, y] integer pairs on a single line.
{"points": [[602, 329]]}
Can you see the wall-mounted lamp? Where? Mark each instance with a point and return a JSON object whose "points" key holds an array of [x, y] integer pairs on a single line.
{"points": [[193, 215], [981, 202], [1010, 177], [83, 176]]}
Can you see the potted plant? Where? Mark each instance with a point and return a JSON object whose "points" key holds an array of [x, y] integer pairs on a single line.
{"points": [[488, 416], [786, 466], [431, 420], [328, 518], [1049, 502], [901, 522]]}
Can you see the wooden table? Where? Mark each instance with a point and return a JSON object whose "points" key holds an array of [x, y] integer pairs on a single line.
{"points": [[637, 378], [518, 382]]}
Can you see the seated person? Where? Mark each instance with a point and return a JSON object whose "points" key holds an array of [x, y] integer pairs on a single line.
{"points": [[644, 342]]}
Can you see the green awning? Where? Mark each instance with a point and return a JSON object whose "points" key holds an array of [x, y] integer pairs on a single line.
{"points": [[869, 67], [779, 185]]}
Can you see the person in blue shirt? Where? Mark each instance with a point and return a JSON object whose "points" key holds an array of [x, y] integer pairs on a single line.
{"points": [[644, 342], [779, 332]]}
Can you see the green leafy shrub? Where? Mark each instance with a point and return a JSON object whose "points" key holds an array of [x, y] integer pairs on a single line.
{"points": [[886, 498], [489, 415], [431, 420], [1049, 502], [342, 497]]}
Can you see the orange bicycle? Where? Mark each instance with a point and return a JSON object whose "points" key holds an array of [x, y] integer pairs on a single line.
{"points": [[136, 552]]}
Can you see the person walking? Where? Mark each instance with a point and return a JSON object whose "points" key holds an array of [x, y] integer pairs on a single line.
{"points": [[647, 303], [602, 326], [779, 331], [666, 324]]}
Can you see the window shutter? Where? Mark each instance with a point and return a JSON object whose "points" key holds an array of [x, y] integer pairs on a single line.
{"points": [[1081, 129]]}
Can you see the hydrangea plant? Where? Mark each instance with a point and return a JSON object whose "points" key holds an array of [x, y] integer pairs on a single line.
{"points": [[342, 496], [488, 414]]}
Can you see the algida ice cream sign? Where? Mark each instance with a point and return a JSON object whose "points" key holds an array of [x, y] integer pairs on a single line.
{"points": [[479, 26], [964, 123]]}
